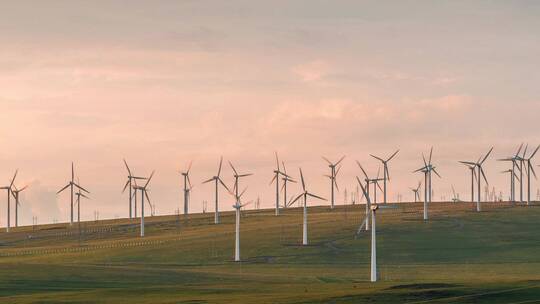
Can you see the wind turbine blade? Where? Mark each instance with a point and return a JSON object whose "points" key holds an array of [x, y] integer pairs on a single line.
{"points": [[245, 175], [149, 179], [483, 175], [302, 178], [436, 173], [377, 157], [297, 198], [127, 167], [485, 157], [379, 186], [189, 182], [387, 171], [63, 188], [13, 179], [222, 183], [232, 167], [326, 159], [208, 180], [81, 188], [468, 163], [219, 168], [82, 194], [532, 169], [316, 196], [242, 193], [189, 167], [430, 155], [363, 190], [147, 198], [534, 153], [390, 158], [125, 187], [277, 160], [284, 169], [273, 179], [335, 183], [519, 150], [340, 160], [21, 190], [337, 171], [364, 171], [424, 159]]}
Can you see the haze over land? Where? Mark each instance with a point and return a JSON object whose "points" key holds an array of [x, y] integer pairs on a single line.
{"points": [[162, 83]]}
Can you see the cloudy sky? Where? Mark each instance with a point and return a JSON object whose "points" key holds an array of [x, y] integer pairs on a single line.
{"points": [[165, 82]]}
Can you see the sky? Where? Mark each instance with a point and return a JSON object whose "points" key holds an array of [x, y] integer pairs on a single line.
{"points": [[163, 83]]}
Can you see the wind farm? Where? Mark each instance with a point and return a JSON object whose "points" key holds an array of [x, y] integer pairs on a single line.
{"points": [[269, 152]]}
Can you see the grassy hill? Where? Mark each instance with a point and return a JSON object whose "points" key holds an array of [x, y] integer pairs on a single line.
{"points": [[459, 256]]}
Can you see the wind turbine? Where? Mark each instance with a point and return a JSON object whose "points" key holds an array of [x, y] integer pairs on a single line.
{"points": [[415, 191], [277, 173], [333, 174], [187, 188], [129, 184], [427, 169], [217, 180], [373, 212], [286, 179], [15, 193], [386, 173], [305, 194], [144, 193], [79, 194], [72, 184], [529, 170], [478, 166], [455, 197], [237, 206], [9, 190], [513, 177], [473, 177]]}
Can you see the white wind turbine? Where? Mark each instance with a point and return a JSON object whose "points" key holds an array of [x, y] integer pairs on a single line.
{"points": [[9, 190], [529, 170], [514, 176], [478, 166], [237, 206], [217, 180], [187, 188], [277, 173], [71, 184], [79, 194], [386, 173], [129, 184], [427, 169], [305, 195], [333, 174], [415, 191], [16, 193], [472, 168], [144, 193], [373, 212]]}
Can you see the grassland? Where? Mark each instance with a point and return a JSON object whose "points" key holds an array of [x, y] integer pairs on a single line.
{"points": [[459, 256]]}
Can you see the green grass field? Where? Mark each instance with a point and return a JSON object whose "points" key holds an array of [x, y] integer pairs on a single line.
{"points": [[459, 256]]}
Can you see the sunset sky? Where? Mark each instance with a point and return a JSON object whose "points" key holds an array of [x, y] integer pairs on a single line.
{"points": [[165, 82]]}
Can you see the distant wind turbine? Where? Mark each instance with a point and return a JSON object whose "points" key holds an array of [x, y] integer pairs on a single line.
{"points": [[144, 193], [427, 169], [70, 185], [129, 184], [277, 173], [333, 174], [9, 190], [386, 173], [217, 180], [305, 195], [480, 170], [187, 188], [16, 193]]}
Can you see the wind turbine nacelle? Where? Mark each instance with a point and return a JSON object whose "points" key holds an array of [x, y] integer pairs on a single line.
{"points": [[374, 207]]}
